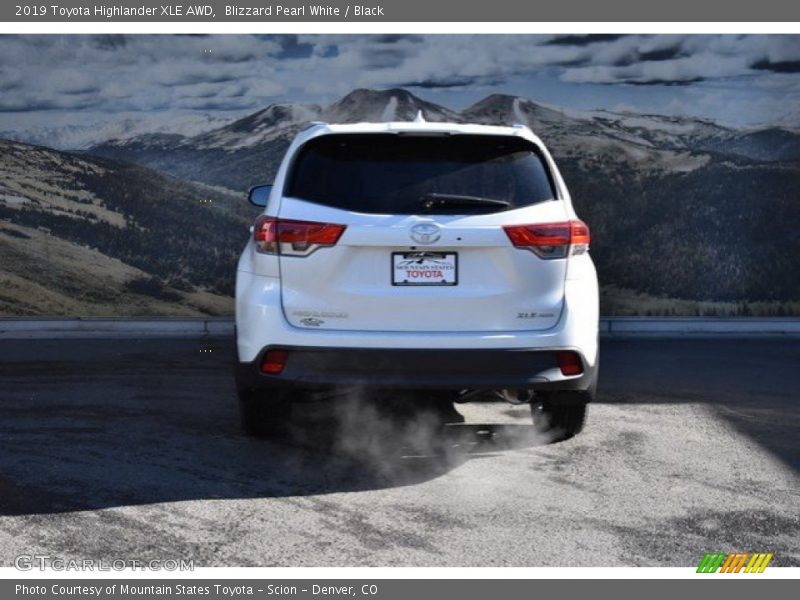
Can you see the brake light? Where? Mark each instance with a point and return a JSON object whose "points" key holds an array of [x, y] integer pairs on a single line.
{"points": [[551, 240], [294, 238], [274, 361], [569, 363]]}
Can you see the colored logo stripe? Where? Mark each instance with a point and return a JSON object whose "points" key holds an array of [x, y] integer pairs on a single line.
{"points": [[734, 562], [711, 562], [758, 563]]}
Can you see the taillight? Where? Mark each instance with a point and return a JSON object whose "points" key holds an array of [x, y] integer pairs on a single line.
{"points": [[569, 363], [274, 361], [294, 238], [551, 240]]}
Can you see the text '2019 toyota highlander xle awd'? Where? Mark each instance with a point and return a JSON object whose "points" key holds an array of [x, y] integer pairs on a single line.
{"points": [[424, 256]]}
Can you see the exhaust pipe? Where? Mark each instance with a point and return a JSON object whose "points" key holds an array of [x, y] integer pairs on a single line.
{"points": [[517, 396], [467, 395], [512, 396]]}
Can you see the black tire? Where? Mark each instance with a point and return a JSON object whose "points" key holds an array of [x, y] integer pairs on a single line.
{"points": [[559, 415], [263, 413]]}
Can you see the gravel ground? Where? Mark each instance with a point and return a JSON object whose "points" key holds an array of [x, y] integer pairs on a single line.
{"points": [[132, 449]]}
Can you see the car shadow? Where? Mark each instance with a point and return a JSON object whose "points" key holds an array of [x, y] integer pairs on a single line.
{"points": [[66, 444]]}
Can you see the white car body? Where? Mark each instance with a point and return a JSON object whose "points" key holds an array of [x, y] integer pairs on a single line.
{"points": [[342, 296]]}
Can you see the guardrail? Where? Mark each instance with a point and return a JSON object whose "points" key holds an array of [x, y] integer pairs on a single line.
{"points": [[610, 327], [699, 327], [55, 327]]}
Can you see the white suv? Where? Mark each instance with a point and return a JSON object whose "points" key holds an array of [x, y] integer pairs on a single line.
{"points": [[422, 256]]}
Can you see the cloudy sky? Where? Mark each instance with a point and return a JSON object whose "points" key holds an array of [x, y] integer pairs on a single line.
{"points": [[52, 80]]}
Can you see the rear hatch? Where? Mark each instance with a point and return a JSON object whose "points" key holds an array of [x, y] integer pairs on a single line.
{"points": [[421, 243]]}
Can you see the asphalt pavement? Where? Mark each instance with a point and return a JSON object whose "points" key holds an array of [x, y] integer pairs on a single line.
{"points": [[132, 449]]}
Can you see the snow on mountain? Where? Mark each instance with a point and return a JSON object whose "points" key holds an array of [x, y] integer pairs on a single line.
{"points": [[640, 128], [81, 137], [584, 136], [258, 127], [674, 143], [385, 105], [501, 109], [628, 133], [247, 151], [278, 121]]}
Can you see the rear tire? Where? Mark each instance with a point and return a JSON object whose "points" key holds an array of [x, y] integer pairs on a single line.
{"points": [[561, 415], [262, 413]]}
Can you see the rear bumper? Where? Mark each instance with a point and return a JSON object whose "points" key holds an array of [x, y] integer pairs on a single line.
{"points": [[417, 369], [417, 360], [260, 323]]}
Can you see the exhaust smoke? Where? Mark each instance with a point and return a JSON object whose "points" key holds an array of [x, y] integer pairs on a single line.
{"points": [[397, 437]]}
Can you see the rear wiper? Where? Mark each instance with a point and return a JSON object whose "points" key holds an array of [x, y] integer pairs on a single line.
{"points": [[433, 200]]}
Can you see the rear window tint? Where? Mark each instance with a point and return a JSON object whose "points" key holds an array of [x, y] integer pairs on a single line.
{"points": [[395, 173]]}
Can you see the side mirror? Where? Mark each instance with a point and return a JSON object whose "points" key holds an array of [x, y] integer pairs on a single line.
{"points": [[259, 195]]}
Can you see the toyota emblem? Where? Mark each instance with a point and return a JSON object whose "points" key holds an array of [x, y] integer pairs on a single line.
{"points": [[426, 233]]}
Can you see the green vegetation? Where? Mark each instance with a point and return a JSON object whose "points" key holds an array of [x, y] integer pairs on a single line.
{"points": [[681, 225], [723, 233], [181, 234], [621, 302]]}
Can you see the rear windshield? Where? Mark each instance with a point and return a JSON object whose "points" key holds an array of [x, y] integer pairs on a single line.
{"points": [[412, 174]]}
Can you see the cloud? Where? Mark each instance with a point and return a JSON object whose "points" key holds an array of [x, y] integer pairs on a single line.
{"points": [[781, 66], [383, 58], [393, 38], [582, 40], [109, 42], [292, 48], [143, 73], [643, 60], [447, 83], [662, 54], [678, 71]]}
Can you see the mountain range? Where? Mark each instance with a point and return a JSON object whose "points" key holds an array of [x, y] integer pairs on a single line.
{"points": [[685, 213], [74, 136], [90, 236], [248, 150]]}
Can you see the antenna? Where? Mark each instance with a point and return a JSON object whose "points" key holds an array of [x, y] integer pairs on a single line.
{"points": [[419, 118]]}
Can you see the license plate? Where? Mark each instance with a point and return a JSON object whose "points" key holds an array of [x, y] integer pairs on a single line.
{"points": [[424, 268]]}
